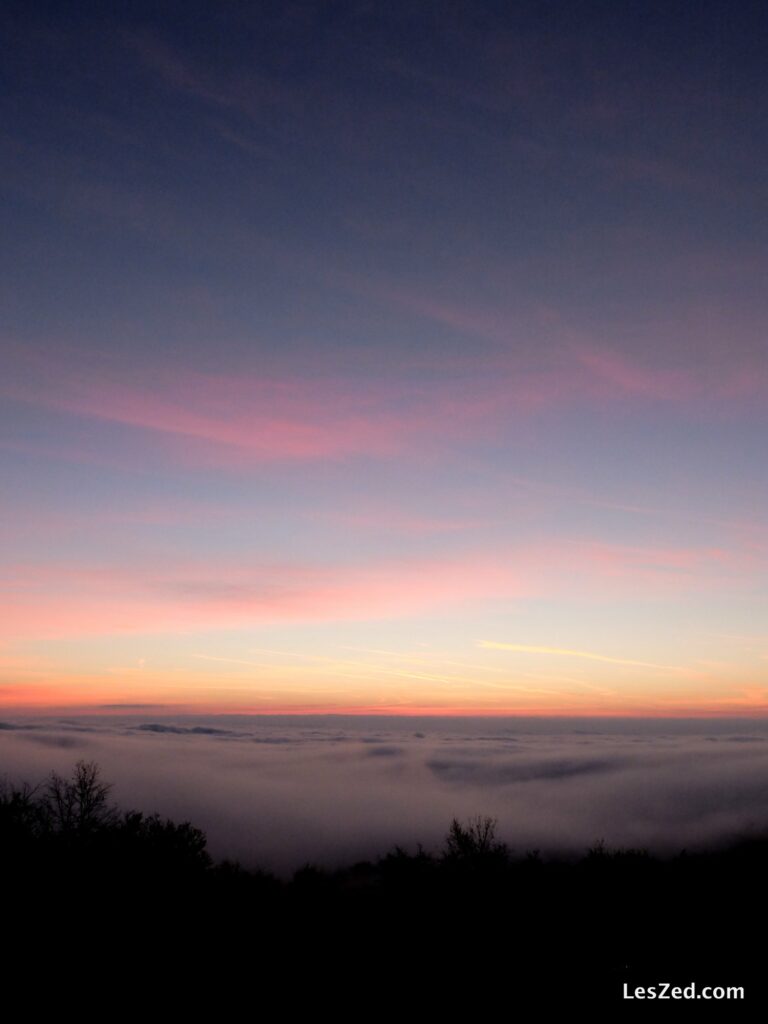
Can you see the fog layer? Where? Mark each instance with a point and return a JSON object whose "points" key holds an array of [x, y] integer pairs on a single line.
{"points": [[279, 792]]}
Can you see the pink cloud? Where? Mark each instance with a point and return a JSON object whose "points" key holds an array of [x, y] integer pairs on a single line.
{"points": [[394, 521], [259, 418], [250, 419], [494, 325], [263, 418], [46, 522], [688, 384], [628, 376], [72, 599]]}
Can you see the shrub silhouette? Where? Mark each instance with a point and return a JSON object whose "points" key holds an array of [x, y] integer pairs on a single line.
{"points": [[474, 842], [161, 846], [73, 861]]}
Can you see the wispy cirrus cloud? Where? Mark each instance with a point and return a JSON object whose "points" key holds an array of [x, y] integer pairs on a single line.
{"points": [[684, 384], [67, 598], [261, 418]]}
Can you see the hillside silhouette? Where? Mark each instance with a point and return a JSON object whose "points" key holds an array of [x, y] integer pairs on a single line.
{"points": [[80, 873]]}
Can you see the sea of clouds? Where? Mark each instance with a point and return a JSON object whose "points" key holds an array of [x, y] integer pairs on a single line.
{"points": [[279, 792]]}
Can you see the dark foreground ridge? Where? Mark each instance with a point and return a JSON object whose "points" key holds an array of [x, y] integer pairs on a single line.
{"points": [[130, 897]]}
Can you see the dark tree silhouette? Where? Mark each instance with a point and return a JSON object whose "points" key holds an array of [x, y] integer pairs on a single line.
{"points": [[21, 818], [474, 841], [78, 805]]}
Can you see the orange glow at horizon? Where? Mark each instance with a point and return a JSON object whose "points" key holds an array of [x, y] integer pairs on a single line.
{"points": [[325, 689]]}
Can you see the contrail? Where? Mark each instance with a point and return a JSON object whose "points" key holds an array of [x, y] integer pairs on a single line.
{"points": [[589, 655]]}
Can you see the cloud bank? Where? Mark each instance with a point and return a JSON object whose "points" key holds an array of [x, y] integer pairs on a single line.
{"points": [[279, 792]]}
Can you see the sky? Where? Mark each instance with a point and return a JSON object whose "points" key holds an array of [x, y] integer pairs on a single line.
{"points": [[384, 358]]}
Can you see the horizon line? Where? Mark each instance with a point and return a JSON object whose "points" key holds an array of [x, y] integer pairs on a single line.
{"points": [[176, 711]]}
